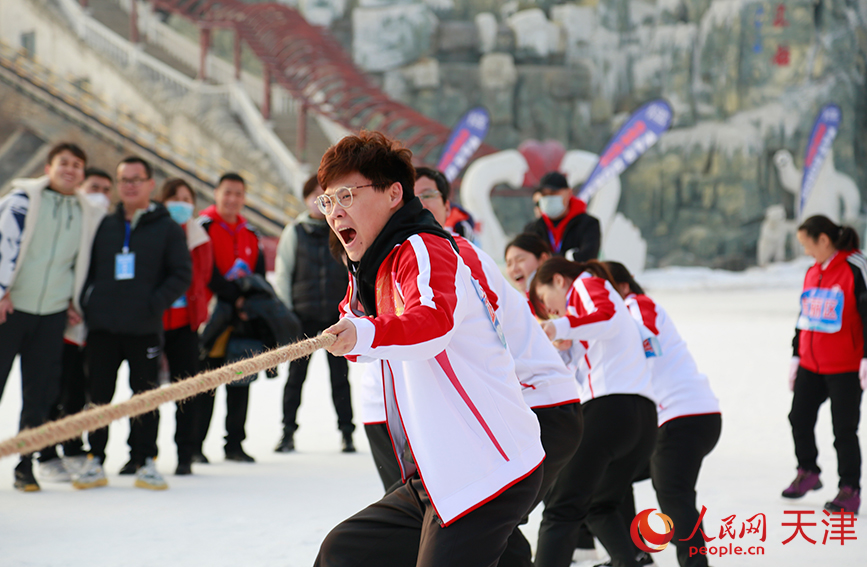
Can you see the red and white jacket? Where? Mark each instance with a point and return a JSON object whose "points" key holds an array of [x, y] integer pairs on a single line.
{"points": [[614, 362], [545, 379], [453, 404], [832, 327], [680, 389]]}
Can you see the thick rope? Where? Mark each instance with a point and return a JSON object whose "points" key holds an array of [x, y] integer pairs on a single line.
{"points": [[55, 432]]}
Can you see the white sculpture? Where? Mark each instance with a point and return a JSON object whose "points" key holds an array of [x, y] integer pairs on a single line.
{"points": [[621, 240], [773, 236], [831, 191]]}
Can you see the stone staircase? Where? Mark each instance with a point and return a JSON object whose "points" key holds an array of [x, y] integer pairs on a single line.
{"points": [[22, 153]]}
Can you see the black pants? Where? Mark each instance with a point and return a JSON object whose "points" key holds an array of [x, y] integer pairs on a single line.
{"points": [[73, 393], [619, 437], [811, 391], [561, 430], [383, 454], [237, 400], [402, 530], [681, 445], [182, 353], [339, 383], [104, 354], [39, 341]]}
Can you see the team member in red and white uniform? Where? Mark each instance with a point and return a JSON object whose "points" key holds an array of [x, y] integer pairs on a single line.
{"points": [[688, 413], [619, 414], [467, 444], [829, 359]]}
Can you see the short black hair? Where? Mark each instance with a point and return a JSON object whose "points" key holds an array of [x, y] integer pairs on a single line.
{"points": [[95, 172], [135, 159], [437, 176], [74, 149], [231, 176]]}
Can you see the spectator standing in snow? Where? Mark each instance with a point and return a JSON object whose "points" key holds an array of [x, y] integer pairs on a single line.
{"points": [[564, 222]]}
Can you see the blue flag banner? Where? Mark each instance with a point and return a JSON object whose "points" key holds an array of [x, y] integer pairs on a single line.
{"points": [[464, 141], [640, 132], [821, 138]]}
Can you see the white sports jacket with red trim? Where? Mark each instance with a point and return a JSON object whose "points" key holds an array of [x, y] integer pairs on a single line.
{"points": [[454, 406], [680, 389], [614, 362]]}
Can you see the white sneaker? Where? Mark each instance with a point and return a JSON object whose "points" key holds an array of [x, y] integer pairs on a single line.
{"points": [[149, 477], [76, 464], [54, 471], [91, 476]]}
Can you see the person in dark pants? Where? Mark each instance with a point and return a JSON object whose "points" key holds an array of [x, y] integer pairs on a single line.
{"points": [[46, 231], [140, 265], [312, 282], [182, 320], [236, 254], [829, 360], [467, 444]]}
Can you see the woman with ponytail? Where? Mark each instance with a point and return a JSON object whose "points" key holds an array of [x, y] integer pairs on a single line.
{"points": [[689, 416], [619, 416], [828, 359]]}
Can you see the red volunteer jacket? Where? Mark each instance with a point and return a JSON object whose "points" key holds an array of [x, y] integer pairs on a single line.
{"points": [[230, 242], [830, 333], [192, 308]]}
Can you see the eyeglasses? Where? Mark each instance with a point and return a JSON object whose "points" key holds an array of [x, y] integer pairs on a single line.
{"points": [[133, 181], [342, 196], [430, 194]]}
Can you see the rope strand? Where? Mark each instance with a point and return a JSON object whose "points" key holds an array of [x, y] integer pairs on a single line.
{"points": [[55, 432]]}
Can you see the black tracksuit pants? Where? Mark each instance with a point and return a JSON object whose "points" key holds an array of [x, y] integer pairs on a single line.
{"points": [[39, 341], [681, 445], [619, 437], [182, 353], [339, 383], [104, 354], [811, 391], [237, 401], [561, 430], [73, 394], [402, 530]]}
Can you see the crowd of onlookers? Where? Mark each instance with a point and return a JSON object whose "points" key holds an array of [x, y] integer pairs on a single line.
{"points": [[97, 269]]}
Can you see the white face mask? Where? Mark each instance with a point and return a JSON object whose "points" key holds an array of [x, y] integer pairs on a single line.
{"points": [[552, 206], [99, 200]]}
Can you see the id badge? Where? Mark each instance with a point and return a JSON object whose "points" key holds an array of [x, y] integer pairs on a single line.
{"points": [[124, 266]]}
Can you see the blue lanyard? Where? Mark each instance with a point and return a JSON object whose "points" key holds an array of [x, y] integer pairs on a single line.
{"points": [[126, 237]]}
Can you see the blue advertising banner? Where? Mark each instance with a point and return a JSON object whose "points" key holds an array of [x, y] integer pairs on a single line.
{"points": [[464, 141], [640, 132], [824, 131]]}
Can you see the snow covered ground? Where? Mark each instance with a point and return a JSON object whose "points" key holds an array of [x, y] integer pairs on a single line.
{"points": [[276, 512]]}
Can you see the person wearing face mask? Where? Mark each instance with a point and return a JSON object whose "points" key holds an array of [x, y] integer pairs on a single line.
{"points": [[46, 230], [563, 221], [96, 187], [181, 321]]}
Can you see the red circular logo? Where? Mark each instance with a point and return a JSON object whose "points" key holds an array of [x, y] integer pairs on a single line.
{"points": [[641, 525]]}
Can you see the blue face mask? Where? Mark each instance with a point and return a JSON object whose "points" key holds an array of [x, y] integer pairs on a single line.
{"points": [[181, 212]]}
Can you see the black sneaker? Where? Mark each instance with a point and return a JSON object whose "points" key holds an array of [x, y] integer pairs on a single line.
{"points": [[237, 454], [200, 458], [184, 468], [130, 468], [24, 479], [286, 445], [348, 445], [642, 558]]}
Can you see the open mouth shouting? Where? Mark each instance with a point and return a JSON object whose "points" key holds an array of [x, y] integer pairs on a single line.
{"points": [[347, 235]]}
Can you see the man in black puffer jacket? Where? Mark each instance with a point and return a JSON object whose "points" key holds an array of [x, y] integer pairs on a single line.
{"points": [[140, 264]]}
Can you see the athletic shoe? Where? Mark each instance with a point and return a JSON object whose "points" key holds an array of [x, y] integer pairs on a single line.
{"points": [[348, 445], [237, 454], [54, 471], [92, 476], [130, 468], [149, 477], [848, 499], [184, 468], [201, 459], [803, 483], [286, 445], [75, 464], [642, 558], [24, 479]]}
